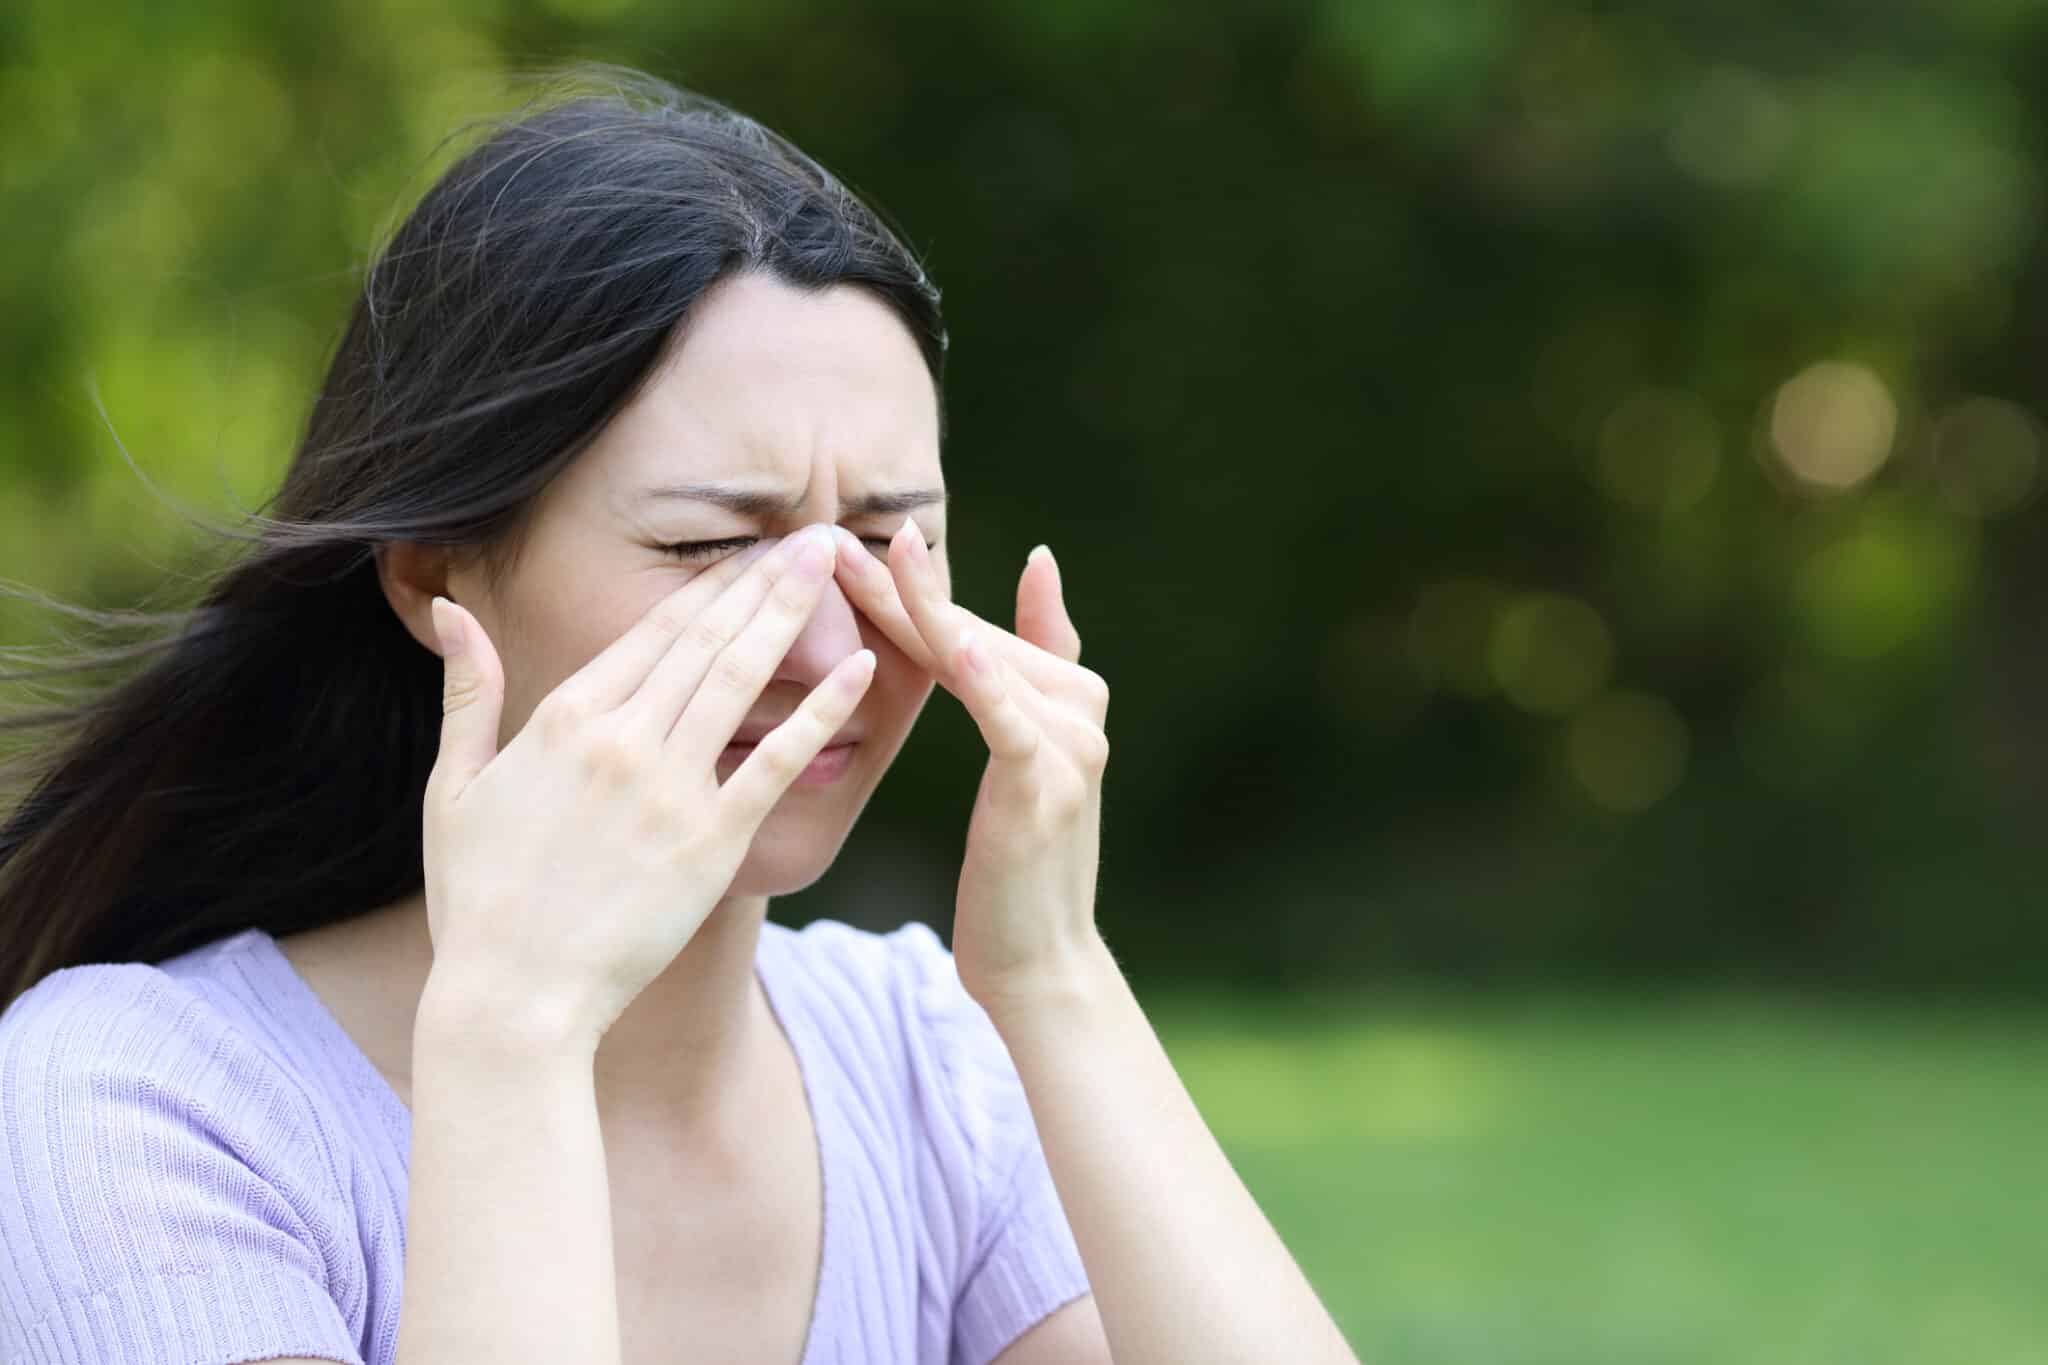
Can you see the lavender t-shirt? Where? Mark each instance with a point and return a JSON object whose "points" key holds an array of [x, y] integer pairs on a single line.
{"points": [[198, 1166]]}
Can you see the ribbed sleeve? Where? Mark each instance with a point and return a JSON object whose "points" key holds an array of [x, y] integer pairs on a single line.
{"points": [[164, 1194], [1023, 1263], [1029, 1266]]}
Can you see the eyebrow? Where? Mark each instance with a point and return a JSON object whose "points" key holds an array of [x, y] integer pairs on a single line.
{"points": [[759, 503]]}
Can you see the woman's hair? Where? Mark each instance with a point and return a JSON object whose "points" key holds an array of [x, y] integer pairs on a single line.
{"points": [[266, 763]]}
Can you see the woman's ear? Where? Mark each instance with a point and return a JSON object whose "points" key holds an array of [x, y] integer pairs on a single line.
{"points": [[412, 575]]}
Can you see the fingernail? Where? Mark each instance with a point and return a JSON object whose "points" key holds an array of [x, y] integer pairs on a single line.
{"points": [[793, 545], [1039, 552], [446, 628], [814, 552], [850, 543], [916, 534]]}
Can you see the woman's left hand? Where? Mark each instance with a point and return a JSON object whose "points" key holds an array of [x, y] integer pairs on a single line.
{"points": [[1026, 905]]}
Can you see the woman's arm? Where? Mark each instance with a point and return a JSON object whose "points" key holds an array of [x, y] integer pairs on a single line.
{"points": [[508, 1223], [1184, 1266]]}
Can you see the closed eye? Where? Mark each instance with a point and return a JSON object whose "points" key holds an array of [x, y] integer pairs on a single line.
{"points": [[706, 549]]}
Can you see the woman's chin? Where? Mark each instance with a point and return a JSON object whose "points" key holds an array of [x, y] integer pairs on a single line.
{"points": [[784, 862]]}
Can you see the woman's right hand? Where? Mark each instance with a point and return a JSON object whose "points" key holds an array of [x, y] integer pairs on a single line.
{"points": [[563, 874]]}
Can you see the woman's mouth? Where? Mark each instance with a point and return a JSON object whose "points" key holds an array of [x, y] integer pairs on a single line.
{"points": [[828, 767]]}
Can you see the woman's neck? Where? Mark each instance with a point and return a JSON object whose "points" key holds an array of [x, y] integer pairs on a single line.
{"points": [[680, 1056]]}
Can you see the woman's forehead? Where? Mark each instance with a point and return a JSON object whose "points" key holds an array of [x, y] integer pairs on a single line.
{"points": [[770, 409], [753, 334]]}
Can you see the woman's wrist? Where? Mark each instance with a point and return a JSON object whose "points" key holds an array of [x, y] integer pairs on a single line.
{"points": [[458, 1012], [1066, 986]]}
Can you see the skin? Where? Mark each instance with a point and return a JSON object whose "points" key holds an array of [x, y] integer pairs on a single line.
{"points": [[819, 398], [811, 396]]}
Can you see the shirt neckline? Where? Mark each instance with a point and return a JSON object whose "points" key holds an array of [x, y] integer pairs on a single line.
{"points": [[797, 1026]]}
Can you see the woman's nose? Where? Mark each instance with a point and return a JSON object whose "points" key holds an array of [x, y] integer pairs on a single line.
{"points": [[832, 633]]}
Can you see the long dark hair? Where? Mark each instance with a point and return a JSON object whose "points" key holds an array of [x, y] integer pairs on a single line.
{"points": [[265, 763]]}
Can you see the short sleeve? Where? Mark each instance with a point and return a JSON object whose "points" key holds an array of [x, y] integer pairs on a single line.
{"points": [[1022, 1263], [164, 1196]]}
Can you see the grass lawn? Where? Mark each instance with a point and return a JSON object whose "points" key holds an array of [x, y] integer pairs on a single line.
{"points": [[1696, 1178]]}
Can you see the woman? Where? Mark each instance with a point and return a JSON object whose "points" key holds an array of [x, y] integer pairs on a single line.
{"points": [[398, 933]]}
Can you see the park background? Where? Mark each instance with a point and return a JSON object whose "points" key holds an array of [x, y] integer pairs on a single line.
{"points": [[1553, 488]]}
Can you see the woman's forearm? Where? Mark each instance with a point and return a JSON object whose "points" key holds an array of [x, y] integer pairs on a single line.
{"points": [[508, 1224], [1184, 1266]]}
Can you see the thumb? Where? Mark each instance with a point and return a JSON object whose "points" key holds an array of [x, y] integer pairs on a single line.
{"points": [[472, 694]]}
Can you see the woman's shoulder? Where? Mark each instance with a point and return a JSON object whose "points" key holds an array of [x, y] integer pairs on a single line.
{"points": [[155, 1159], [112, 1011], [153, 1045], [195, 1003]]}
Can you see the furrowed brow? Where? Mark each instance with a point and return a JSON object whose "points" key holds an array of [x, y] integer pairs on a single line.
{"points": [[758, 503]]}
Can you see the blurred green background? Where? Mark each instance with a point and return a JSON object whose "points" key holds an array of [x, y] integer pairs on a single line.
{"points": [[1554, 488]]}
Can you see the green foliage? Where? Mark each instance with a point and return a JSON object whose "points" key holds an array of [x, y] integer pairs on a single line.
{"points": [[1542, 1179], [1548, 483]]}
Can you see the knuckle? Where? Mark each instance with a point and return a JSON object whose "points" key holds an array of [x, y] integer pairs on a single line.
{"points": [[609, 756], [458, 693], [704, 635], [670, 617], [1066, 800], [733, 671], [812, 726], [781, 765], [562, 712], [1095, 688], [1093, 751], [771, 762]]}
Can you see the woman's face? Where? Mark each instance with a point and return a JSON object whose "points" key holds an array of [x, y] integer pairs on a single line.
{"points": [[817, 401]]}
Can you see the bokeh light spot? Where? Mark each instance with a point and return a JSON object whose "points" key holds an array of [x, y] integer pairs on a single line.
{"points": [[1832, 424], [1659, 449], [1450, 634], [1893, 580], [1628, 750], [1550, 652]]}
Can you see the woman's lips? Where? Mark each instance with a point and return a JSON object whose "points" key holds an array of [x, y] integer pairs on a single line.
{"points": [[828, 767]]}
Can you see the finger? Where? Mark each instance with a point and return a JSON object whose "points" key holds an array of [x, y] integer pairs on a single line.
{"points": [[759, 782], [1042, 615], [942, 624], [984, 689], [618, 670], [1068, 728], [873, 590], [472, 697], [728, 682], [659, 700]]}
